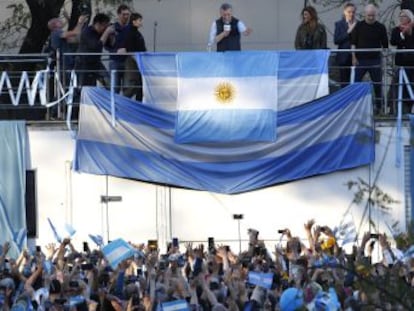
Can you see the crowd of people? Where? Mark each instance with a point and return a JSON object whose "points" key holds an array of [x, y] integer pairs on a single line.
{"points": [[315, 274]]}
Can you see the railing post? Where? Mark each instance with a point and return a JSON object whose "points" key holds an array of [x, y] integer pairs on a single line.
{"points": [[113, 75]]}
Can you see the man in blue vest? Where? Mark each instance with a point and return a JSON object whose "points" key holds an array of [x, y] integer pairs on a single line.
{"points": [[226, 31]]}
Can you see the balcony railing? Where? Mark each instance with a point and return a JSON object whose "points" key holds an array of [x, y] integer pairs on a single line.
{"points": [[37, 87]]}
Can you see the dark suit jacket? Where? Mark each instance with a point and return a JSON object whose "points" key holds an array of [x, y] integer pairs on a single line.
{"points": [[342, 40]]}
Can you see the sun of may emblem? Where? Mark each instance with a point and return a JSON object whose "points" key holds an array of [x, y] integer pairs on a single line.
{"points": [[225, 92]]}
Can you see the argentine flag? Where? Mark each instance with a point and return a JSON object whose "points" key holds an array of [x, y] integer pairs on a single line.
{"points": [[224, 97], [261, 279], [323, 136], [176, 305], [117, 251]]}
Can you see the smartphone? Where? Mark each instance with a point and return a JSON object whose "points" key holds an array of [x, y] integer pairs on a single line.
{"points": [[374, 235], [139, 272], [153, 245], [227, 248], [211, 245], [281, 231], [85, 247], [73, 284], [38, 248], [175, 242]]}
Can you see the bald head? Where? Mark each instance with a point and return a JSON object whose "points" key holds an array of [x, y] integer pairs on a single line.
{"points": [[370, 13]]}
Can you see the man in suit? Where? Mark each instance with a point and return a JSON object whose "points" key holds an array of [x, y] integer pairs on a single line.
{"points": [[343, 29]]}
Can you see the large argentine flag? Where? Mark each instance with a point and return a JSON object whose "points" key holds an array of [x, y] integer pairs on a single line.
{"points": [[326, 135], [302, 77], [224, 97]]}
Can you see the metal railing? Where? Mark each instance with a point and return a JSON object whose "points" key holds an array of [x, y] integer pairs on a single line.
{"points": [[39, 81]]}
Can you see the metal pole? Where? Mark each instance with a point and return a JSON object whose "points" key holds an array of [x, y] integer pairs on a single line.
{"points": [[238, 220], [107, 207], [113, 117]]}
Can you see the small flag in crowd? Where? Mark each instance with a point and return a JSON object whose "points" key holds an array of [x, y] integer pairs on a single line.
{"points": [[409, 253], [176, 305], [116, 251], [346, 232], [261, 279], [65, 231], [55, 233], [97, 239], [20, 238]]}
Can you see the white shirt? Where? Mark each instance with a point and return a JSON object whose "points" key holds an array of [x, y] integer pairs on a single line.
{"points": [[213, 31]]}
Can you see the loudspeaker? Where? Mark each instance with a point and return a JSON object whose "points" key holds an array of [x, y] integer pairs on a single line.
{"points": [[31, 204]]}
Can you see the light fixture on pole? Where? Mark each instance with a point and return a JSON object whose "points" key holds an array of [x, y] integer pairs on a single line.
{"points": [[106, 199], [238, 217]]}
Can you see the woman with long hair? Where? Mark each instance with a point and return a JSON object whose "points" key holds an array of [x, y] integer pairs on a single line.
{"points": [[311, 34]]}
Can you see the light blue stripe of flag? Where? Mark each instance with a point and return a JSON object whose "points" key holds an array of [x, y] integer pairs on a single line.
{"points": [[346, 232], [61, 231], [117, 251], [176, 305], [409, 253], [97, 239], [226, 97], [261, 279], [70, 230], [20, 238], [54, 231]]}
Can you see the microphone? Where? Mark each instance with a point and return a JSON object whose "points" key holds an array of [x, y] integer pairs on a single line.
{"points": [[155, 36]]}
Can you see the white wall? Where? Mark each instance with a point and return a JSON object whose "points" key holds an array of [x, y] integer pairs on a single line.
{"points": [[195, 215], [184, 24]]}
